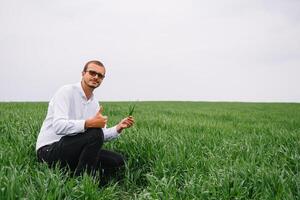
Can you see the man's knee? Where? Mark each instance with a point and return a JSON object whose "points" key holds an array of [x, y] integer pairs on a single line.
{"points": [[95, 135], [119, 160]]}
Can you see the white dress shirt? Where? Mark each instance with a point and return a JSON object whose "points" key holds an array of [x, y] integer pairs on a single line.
{"points": [[67, 112]]}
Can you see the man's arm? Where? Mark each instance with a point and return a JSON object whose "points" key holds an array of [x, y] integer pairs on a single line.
{"points": [[61, 123], [115, 131]]}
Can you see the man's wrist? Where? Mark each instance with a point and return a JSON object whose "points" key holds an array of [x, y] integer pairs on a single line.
{"points": [[119, 129], [87, 124]]}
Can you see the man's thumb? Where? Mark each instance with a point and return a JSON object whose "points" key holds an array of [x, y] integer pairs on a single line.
{"points": [[101, 109]]}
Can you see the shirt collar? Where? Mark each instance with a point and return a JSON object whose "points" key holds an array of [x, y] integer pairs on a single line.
{"points": [[82, 94]]}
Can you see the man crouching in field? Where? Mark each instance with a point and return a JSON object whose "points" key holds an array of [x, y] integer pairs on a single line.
{"points": [[74, 129]]}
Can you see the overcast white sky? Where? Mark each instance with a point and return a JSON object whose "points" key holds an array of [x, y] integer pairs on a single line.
{"points": [[233, 50]]}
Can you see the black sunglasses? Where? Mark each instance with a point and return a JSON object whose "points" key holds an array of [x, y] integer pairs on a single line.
{"points": [[94, 73]]}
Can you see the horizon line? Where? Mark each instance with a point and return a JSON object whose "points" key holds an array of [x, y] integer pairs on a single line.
{"points": [[200, 101]]}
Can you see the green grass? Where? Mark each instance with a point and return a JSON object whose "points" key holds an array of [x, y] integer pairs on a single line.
{"points": [[176, 150]]}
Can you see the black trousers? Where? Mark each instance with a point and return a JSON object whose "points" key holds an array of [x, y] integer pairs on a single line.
{"points": [[82, 152]]}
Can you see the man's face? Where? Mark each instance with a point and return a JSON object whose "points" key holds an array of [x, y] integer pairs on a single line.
{"points": [[93, 75]]}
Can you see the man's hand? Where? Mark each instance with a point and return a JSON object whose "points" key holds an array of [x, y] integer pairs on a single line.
{"points": [[98, 121], [125, 123]]}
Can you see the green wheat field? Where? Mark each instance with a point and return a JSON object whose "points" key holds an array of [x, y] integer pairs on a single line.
{"points": [[176, 150]]}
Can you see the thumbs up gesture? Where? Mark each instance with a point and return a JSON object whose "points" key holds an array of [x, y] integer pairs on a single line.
{"points": [[98, 121], [100, 110]]}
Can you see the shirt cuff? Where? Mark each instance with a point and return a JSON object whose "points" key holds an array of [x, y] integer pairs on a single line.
{"points": [[110, 133], [80, 126]]}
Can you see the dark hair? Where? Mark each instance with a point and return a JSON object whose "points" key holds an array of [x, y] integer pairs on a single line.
{"points": [[96, 62]]}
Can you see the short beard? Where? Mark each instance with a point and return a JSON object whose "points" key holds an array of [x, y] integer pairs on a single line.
{"points": [[90, 86]]}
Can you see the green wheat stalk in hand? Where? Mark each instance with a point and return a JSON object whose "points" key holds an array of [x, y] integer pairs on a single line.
{"points": [[131, 110]]}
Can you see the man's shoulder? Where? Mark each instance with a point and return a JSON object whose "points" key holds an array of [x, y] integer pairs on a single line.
{"points": [[73, 86], [65, 93], [67, 88]]}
